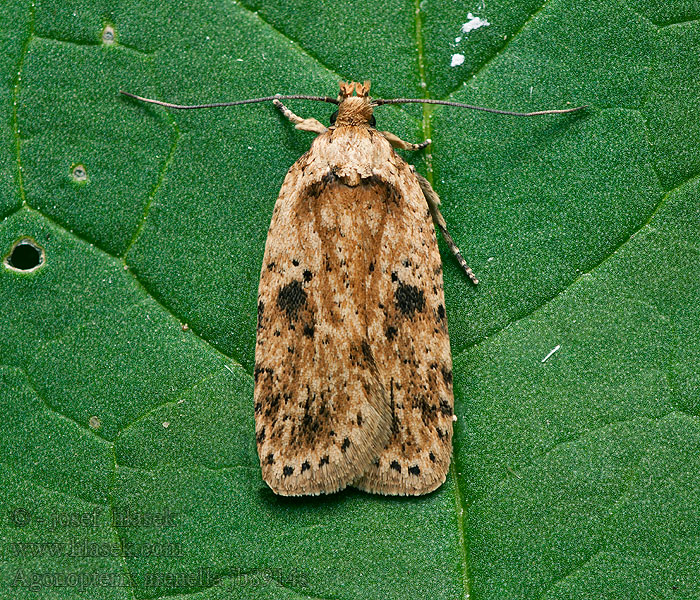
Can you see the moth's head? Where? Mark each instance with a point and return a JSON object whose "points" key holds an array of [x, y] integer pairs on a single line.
{"points": [[354, 110]]}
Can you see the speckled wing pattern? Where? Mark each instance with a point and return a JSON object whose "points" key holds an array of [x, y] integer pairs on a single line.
{"points": [[353, 375]]}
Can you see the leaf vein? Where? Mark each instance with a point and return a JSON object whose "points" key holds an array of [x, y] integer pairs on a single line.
{"points": [[59, 40], [140, 284], [156, 186], [498, 51], [172, 402], [460, 509], [19, 172], [48, 490], [58, 413], [297, 45], [112, 521], [573, 282], [571, 573], [569, 440]]}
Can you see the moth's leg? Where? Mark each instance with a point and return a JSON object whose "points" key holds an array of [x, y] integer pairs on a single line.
{"points": [[299, 123], [433, 201], [397, 142]]}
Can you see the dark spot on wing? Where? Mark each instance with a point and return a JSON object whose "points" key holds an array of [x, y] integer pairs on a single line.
{"points": [[270, 458], [395, 465], [260, 438], [261, 310], [346, 444], [307, 276], [309, 330], [414, 470], [272, 402], [409, 299], [441, 312], [371, 180], [287, 471], [445, 408], [295, 262], [324, 461], [447, 376], [391, 332], [428, 410], [431, 456], [392, 407], [305, 466], [367, 354], [291, 298], [329, 177]]}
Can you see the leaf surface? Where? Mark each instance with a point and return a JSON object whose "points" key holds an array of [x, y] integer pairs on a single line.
{"points": [[126, 359]]}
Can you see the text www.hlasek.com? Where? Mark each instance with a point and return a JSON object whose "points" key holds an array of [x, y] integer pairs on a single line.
{"points": [[86, 548]]}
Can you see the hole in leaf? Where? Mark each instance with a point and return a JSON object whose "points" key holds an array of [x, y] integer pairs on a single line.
{"points": [[108, 35], [95, 422], [25, 256], [79, 173]]}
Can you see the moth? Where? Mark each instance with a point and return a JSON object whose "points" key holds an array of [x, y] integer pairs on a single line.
{"points": [[353, 371]]}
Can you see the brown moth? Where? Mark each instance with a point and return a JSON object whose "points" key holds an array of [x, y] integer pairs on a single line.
{"points": [[353, 371], [353, 375]]}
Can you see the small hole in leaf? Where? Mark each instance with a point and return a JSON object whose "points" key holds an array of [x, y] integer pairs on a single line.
{"points": [[108, 35], [25, 256], [95, 422], [79, 173]]}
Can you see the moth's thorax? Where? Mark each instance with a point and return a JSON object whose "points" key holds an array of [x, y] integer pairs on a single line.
{"points": [[351, 153], [355, 111]]}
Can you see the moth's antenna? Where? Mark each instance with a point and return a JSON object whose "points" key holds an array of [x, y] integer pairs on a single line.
{"points": [[234, 103], [379, 102]]}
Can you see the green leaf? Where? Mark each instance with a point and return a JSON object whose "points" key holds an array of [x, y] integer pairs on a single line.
{"points": [[127, 458]]}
